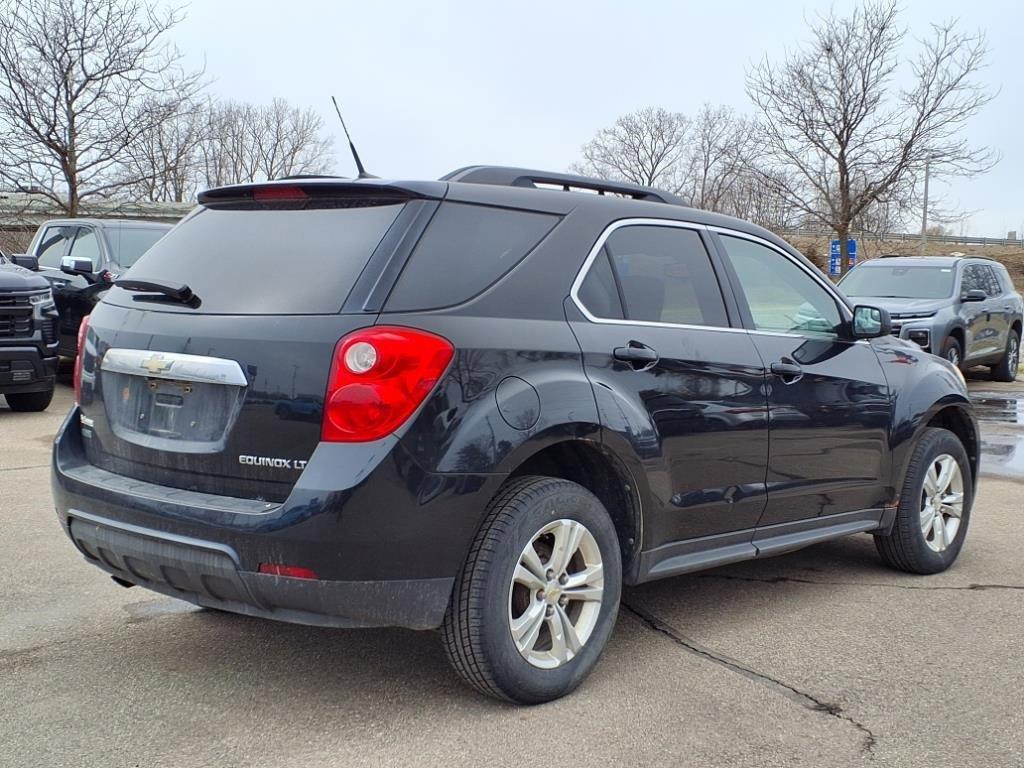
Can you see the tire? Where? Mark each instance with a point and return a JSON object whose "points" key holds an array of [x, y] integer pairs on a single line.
{"points": [[477, 629], [1006, 369], [30, 401], [909, 547], [954, 352]]}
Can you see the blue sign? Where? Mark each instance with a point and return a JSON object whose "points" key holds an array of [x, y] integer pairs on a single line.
{"points": [[833, 258]]}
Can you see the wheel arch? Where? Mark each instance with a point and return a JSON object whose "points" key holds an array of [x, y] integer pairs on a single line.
{"points": [[593, 466], [952, 415]]}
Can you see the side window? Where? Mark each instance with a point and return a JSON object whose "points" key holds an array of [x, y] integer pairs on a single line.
{"points": [[782, 297], [53, 245], [86, 246], [994, 287], [464, 251], [665, 276], [974, 279], [598, 292]]}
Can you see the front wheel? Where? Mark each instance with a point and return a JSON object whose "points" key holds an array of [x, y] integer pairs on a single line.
{"points": [[1006, 369], [538, 596], [952, 351], [934, 509]]}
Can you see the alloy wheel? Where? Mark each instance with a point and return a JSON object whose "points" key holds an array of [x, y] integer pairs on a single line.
{"points": [[953, 355], [556, 593], [942, 502], [1013, 354]]}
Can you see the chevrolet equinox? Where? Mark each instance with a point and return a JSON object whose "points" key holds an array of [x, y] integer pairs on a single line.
{"points": [[485, 404]]}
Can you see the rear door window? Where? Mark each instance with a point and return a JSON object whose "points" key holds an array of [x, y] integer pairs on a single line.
{"points": [[265, 262], [465, 250], [127, 244], [665, 276]]}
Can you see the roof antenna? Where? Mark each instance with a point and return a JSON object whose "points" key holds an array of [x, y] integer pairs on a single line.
{"points": [[355, 155]]}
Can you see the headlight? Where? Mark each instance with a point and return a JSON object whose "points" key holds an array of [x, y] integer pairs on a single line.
{"points": [[41, 298]]}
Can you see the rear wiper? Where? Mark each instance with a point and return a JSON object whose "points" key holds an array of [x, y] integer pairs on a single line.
{"points": [[178, 292]]}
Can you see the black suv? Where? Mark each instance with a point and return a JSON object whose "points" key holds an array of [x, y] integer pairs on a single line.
{"points": [[28, 335], [524, 398]]}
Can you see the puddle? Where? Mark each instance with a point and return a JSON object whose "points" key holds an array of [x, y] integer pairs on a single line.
{"points": [[1001, 417], [998, 408]]}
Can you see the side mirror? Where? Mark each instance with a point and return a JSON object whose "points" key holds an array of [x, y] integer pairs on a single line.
{"points": [[26, 261], [870, 322], [69, 265], [975, 294]]}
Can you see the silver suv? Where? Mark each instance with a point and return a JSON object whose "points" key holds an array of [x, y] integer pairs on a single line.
{"points": [[963, 308]]}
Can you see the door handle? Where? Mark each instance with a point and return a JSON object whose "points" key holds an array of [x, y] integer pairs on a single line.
{"points": [[639, 356], [788, 372]]}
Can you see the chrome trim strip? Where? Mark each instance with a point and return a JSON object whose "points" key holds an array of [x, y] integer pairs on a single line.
{"points": [[173, 365], [582, 275]]}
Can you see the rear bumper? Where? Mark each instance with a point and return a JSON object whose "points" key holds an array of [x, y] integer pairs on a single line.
{"points": [[210, 574], [385, 550], [26, 369]]}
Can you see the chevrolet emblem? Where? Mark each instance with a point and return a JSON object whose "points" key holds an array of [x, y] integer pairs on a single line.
{"points": [[156, 364]]}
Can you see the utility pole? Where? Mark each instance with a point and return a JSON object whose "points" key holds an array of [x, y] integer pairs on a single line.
{"points": [[924, 213]]}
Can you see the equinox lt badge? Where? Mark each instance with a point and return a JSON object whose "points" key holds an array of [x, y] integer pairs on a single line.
{"points": [[270, 461]]}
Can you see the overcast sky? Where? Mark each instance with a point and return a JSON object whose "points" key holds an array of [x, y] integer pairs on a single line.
{"points": [[428, 87]]}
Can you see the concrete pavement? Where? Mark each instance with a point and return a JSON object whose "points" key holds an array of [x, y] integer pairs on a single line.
{"points": [[818, 658]]}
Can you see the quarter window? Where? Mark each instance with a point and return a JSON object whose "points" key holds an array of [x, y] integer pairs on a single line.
{"points": [[656, 274], [782, 297]]}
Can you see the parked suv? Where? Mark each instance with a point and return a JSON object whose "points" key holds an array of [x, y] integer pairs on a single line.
{"points": [[82, 257], [526, 397], [28, 336], [962, 308]]}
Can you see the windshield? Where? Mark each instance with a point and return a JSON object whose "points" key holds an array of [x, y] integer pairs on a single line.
{"points": [[128, 243], [899, 282]]}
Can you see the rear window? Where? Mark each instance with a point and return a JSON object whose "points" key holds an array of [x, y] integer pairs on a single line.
{"points": [[284, 262], [465, 250], [127, 244]]}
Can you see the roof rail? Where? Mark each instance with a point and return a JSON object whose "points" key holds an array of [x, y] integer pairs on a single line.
{"points": [[522, 177]]}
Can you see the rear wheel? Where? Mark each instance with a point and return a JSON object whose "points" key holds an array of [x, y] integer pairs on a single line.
{"points": [[952, 351], [934, 509], [1006, 369], [30, 401], [539, 594]]}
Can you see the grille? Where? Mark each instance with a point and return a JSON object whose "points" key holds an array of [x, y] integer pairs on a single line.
{"points": [[14, 301], [15, 325]]}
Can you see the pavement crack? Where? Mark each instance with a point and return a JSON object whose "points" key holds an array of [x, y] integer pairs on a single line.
{"points": [[798, 580], [802, 698], [15, 469]]}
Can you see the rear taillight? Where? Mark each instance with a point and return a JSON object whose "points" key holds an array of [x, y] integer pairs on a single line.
{"points": [[379, 377], [291, 571], [83, 330]]}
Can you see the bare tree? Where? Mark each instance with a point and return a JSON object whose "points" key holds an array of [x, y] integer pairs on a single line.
{"points": [[245, 142], [162, 164], [644, 147], [719, 151], [80, 81], [844, 137]]}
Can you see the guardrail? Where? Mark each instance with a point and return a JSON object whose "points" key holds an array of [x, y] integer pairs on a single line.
{"points": [[904, 237]]}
